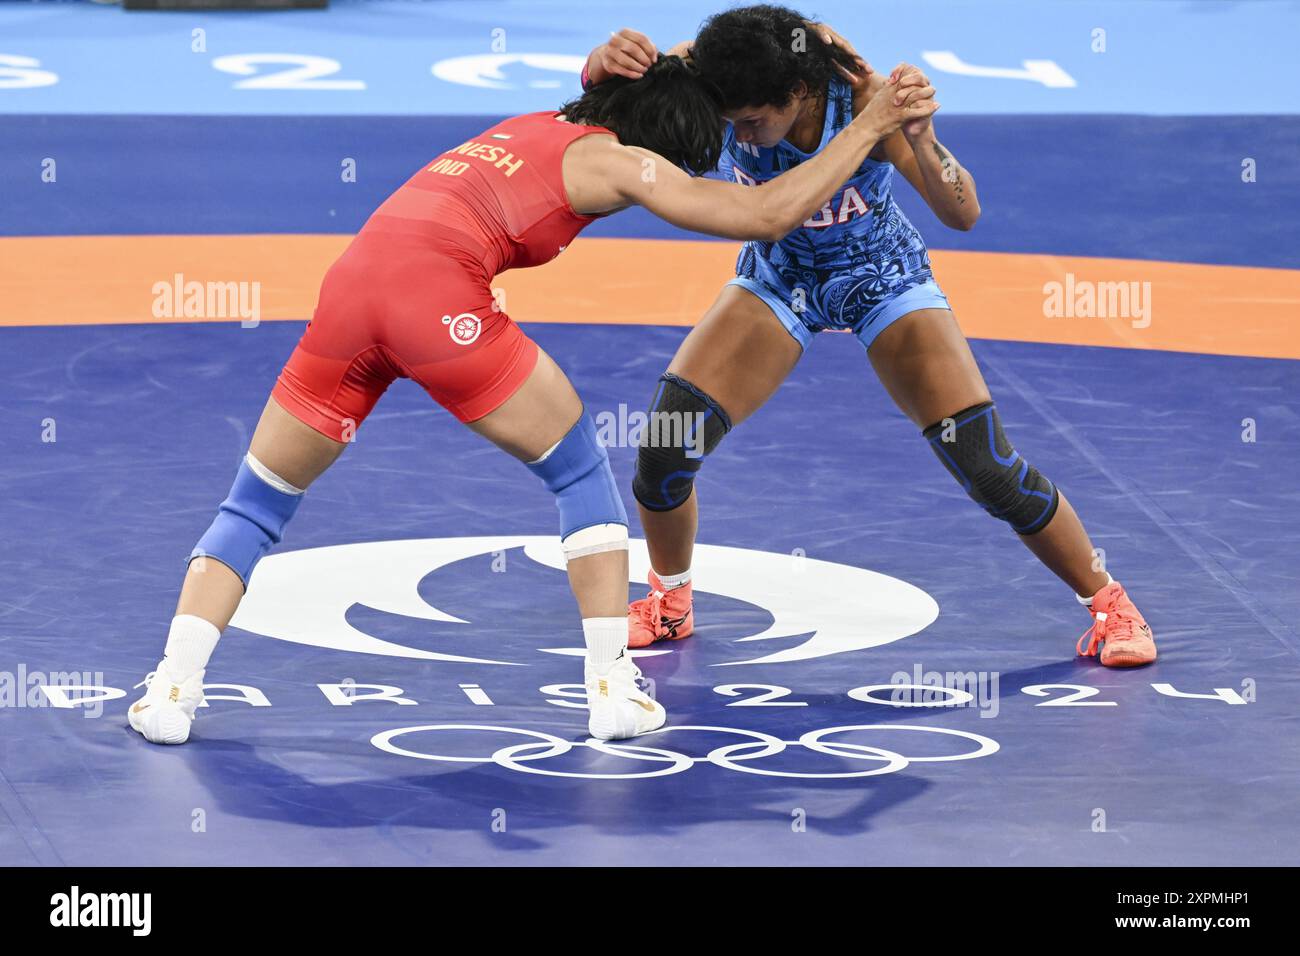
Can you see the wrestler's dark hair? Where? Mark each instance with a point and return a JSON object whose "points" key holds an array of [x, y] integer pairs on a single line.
{"points": [[669, 110], [758, 56]]}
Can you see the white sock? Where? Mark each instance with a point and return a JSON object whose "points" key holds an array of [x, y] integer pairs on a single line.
{"points": [[1087, 601], [190, 643], [673, 581], [606, 640]]}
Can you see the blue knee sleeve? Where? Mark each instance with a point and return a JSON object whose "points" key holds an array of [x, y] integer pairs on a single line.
{"points": [[577, 472], [250, 521], [978, 454], [683, 426]]}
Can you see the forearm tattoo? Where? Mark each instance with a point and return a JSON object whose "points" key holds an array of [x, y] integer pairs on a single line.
{"points": [[951, 173]]}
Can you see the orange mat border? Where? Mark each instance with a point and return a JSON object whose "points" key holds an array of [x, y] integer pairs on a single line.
{"points": [[1220, 310]]}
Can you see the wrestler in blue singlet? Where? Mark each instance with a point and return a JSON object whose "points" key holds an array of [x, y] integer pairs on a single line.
{"points": [[859, 264]]}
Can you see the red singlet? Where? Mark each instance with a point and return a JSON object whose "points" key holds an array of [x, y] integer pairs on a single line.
{"points": [[411, 296]]}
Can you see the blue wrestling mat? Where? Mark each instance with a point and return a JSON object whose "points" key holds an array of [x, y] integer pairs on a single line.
{"points": [[777, 749]]}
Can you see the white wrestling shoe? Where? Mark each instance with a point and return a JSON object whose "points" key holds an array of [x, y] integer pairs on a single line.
{"points": [[164, 714], [619, 708]]}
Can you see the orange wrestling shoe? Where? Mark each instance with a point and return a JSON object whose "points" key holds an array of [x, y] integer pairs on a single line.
{"points": [[661, 615], [1119, 636]]}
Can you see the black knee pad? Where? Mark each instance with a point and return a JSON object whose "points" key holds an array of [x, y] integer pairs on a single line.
{"points": [[684, 425], [975, 451]]}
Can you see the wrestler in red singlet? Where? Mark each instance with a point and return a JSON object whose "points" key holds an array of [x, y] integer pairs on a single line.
{"points": [[411, 296]]}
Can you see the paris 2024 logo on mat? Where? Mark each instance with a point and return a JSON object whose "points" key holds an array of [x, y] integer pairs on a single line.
{"points": [[305, 596]]}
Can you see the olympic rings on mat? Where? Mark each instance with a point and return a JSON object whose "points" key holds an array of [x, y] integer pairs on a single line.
{"points": [[525, 757]]}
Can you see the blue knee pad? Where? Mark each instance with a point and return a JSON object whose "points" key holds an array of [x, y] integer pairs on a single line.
{"points": [[577, 472], [249, 522], [683, 426], [978, 454]]}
